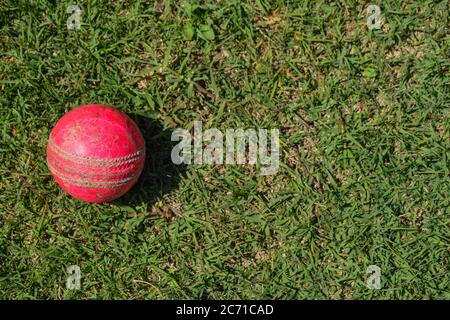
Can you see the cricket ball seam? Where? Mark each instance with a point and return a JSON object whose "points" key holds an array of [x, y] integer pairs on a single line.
{"points": [[122, 171], [91, 183], [99, 162]]}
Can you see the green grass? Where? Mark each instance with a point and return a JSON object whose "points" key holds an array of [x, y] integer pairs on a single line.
{"points": [[364, 174]]}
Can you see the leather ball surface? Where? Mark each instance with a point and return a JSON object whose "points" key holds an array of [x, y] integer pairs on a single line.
{"points": [[96, 153]]}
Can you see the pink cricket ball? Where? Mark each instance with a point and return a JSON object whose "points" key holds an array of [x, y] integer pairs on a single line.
{"points": [[96, 153]]}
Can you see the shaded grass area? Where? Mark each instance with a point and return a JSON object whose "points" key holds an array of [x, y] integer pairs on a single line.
{"points": [[363, 180]]}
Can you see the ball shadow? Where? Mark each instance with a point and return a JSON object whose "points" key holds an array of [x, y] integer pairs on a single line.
{"points": [[160, 175]]}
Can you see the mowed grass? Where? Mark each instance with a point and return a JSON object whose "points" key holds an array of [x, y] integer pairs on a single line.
{"points": [[364, 167]]}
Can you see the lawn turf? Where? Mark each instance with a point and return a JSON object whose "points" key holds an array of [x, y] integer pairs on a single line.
{"points": [[364, 168]]}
